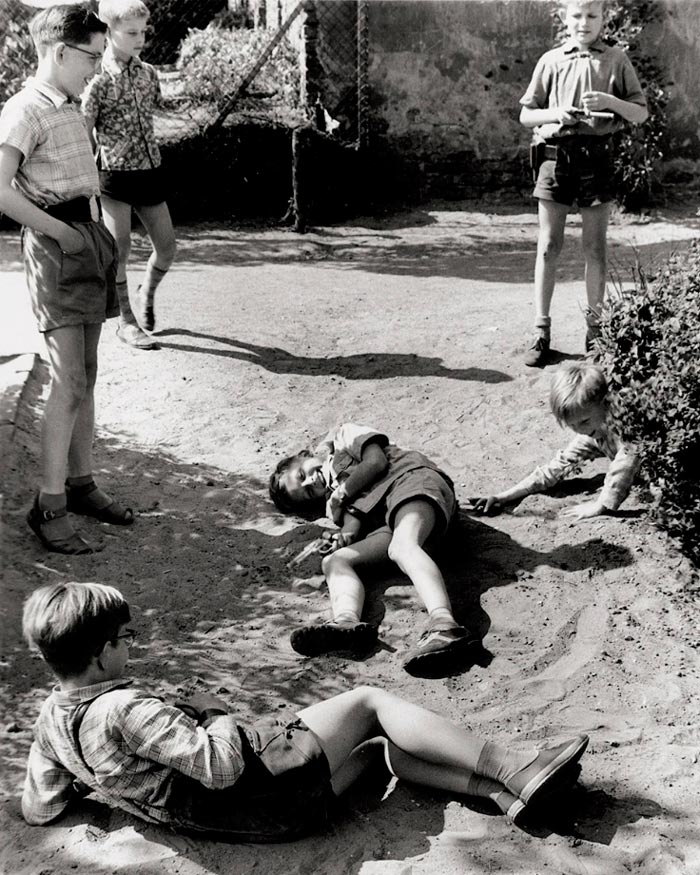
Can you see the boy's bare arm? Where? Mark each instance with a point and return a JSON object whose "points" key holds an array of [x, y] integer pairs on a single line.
{"points": [[373, 464], [533, 118], [597, 101], [14, 204], [90, 122]]}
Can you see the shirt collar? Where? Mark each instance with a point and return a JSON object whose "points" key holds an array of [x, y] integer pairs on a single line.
{"points": [[571, 48], [87, 694], [111, 65], [50, 92]]}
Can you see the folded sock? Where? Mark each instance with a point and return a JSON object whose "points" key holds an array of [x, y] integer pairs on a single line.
{"points": [[501, 763]]}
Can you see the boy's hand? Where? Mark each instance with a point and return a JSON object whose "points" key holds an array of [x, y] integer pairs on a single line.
{"points": [[488, 506], [570, 115], [70, 241], [594, 101], [585, 510], [334, 505], [333, 541], [194, 705]]}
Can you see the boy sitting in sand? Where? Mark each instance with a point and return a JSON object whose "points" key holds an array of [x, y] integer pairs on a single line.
{"points": [[578, 399], [387, 502], [196, 768]]}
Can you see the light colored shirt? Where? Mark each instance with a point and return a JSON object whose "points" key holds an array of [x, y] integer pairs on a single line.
{"points": [[49, 131], [133, 743], [345, 445], [624, 465], [562, 75], [121, 100]]}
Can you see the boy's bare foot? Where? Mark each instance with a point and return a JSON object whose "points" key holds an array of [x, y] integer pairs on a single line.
{"points": [[321, 638]]}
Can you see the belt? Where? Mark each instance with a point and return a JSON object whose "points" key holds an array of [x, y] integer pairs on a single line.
{"points": [[79, 209], [588, 145]]}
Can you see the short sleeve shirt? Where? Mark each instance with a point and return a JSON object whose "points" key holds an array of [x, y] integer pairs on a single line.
{"points": [[562, 75], [48, 129], [346, 444], [122, 100]]}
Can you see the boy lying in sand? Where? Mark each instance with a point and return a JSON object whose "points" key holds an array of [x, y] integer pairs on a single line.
{"points": [[196, 768], [388, 502], [578, 399]]}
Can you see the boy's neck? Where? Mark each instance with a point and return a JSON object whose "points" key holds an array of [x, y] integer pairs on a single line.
{"points": [[45, 72], [120, 57], [88, 678]]}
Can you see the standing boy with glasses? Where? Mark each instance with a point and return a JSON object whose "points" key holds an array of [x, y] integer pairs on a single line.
{"points": [[119, 105], [49, 183]]}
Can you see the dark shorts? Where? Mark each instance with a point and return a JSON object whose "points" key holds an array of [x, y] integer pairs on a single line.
{"points": [[581, 173], [140, 188], [77, 289], [283, 794], [425, 484]]}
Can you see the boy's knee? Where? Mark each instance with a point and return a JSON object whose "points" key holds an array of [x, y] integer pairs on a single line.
{"points": [[550, 247], [595, 249], [71, 386], [400, 549]]}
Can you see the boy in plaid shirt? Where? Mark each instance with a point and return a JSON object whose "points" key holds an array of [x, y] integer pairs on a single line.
{"points": [[194, 766]]}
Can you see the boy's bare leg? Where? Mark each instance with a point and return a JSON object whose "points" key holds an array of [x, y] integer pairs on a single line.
{"points": [[159, 227], [347, 592], [550, 239], [117, 218], [427, 748], [67, 394], [594, 243]]}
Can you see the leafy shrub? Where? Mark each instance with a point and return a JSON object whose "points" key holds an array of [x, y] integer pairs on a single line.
{"points": [[17, 54], [650, 342], [169, 22], [213, 62]]}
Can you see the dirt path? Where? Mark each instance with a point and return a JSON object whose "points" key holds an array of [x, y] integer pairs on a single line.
{"points": [[415, 324]]}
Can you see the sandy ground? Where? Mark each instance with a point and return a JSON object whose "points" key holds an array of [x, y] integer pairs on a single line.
{"points": [[417, 324]]}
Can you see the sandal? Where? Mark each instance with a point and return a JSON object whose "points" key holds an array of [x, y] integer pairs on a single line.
{"points": [[78, 500], [328, 637], [73, 545]]}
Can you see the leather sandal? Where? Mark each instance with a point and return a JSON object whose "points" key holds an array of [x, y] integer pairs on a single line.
{"points": [[78, 500], [73, 545]]}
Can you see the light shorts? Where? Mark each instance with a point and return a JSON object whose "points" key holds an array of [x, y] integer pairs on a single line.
{"points": [[77, 289], [427, 484], [582, 172], [283, 794]]}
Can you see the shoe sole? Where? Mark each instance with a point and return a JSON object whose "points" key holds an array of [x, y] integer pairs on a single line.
{"points": [[151, 344], [547, 780], [316, 640]]}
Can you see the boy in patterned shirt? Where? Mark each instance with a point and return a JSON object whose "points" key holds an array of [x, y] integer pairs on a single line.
{"points": [[119, 105], [49, 183], [578, 399], [195, 767]]}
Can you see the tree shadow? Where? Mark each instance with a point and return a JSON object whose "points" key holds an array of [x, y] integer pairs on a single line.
{"points": [[362, 366]]}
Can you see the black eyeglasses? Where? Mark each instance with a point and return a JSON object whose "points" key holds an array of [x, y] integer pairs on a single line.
{"points": [[129, 636], [96, 56]]}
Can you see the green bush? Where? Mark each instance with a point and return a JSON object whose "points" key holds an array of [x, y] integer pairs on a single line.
{"points": [[650, 350], [17, 54], [213, 62]]}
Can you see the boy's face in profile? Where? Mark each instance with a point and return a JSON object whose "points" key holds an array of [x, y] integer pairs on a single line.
{"points": [[78, 64], [588, 419], [583, 22], [128, 37], [304, 480]]}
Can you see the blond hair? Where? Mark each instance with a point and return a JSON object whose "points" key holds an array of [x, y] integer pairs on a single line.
{"points": [[69, 623], [114, 11], [574, 386]]}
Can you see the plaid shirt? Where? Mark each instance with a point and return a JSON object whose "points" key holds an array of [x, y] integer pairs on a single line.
{"points": [[618, 481], [121, 101], [50, 132], [133, 744]]}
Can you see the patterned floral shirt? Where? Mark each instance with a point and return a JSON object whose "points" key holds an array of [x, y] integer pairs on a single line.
{"points": [[624, 465], [130, 747], [120, 101], [49, 131]]}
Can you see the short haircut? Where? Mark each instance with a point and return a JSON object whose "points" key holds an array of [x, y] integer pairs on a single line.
{"points": [[278, 491], [69, 623], [64, 24], [575, 385], [114, 11]]}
